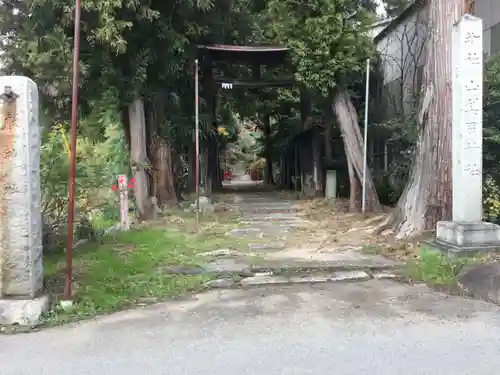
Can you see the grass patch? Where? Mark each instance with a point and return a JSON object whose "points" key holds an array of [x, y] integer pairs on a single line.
{"points": [[436, 269], [130, 268]]}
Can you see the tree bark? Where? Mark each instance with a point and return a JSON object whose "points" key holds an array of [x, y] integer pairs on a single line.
{"points": [[163, 180], [138, 156], [205, 183], [427, 196], [353, 144], [317, 165], [163, 177], [268, 175], [354, 189], [191, 166], [328, 137], [216, 178]]}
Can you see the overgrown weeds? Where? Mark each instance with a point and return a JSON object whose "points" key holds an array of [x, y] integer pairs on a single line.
{"points": [[438, 269], [132, 268]]}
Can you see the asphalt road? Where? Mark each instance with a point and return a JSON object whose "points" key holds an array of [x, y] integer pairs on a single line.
{"points": [[375, 327]]}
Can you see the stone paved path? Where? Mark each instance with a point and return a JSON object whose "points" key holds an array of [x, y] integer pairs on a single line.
{"points": [[266, 221]]}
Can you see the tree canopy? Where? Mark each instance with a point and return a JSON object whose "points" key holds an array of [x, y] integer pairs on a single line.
{"points": [[327, 38]]}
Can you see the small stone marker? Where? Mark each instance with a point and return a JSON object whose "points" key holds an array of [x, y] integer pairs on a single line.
{"points": [[467, 231], [123, 186], [205, 206], [21, 263]]}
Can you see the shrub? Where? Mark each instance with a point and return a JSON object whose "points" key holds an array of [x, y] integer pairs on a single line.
{"points": [[98, 164]]}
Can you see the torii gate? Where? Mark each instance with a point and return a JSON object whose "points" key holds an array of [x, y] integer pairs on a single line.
{"points": [[256, 56]]}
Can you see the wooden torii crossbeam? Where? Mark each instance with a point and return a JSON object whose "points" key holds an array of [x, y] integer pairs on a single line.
{"points": [[255, 56]]}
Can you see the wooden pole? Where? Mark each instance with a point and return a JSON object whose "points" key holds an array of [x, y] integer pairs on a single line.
{"points": [[197, 143], [72, 162]]}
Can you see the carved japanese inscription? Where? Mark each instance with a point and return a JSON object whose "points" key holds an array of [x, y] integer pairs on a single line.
{"points": [[7, 134], [467, 119], [21, 268]]}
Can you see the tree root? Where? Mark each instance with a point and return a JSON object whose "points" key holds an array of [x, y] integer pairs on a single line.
{"points": [[392, 221]]}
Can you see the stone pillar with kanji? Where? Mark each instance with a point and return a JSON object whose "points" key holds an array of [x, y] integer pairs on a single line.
{"points": [[467, 233], [21, 262]]}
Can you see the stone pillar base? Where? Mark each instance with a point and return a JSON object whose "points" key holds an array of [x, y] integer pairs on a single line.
{"points": [[24, 312], [461, 239]]}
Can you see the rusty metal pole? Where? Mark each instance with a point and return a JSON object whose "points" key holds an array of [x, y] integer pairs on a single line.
{"points": [[72, 162], [197, 141]]}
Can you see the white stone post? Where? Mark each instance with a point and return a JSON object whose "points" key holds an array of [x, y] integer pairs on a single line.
{"points": [[467, 133], [123, 189], [21, 263], [467, 231]]}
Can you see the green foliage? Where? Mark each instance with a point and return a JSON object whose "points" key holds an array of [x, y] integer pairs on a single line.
{"points": [[437, 269], [131, 48], [388, 191], [98, 164], [119, 273], [401, 135], [491, 140], [491, 200], [127, 48], [327, 38], [491, 132]]}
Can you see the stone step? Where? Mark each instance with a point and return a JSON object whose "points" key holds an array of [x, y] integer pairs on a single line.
{"points": [[262, 279], [268, 210], [264, 203], [266, 279], [257, 232], [273, 216], [265, 247], [237, 270], [276, 223], [260, 199], [243, 265]]}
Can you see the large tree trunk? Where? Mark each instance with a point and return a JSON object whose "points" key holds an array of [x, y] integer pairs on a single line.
{"points": [[354, 188], [163, 176], [178, 172], [427, 197], [191, 167], [161, 155], [328, 136], [353, 143], [268, 175], [205, 183], [317, 164], [138, 156], [214, 166], [214, 161]]}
